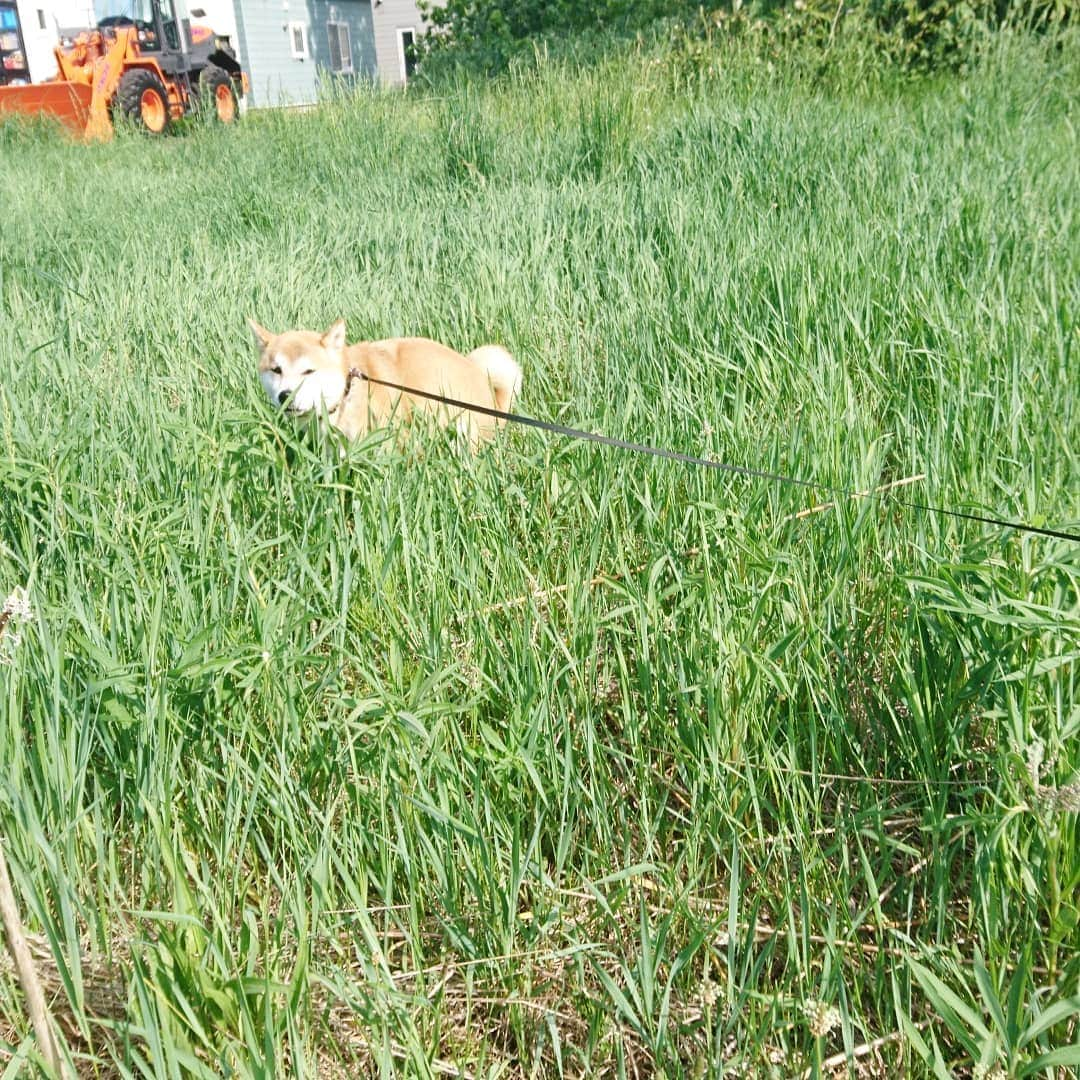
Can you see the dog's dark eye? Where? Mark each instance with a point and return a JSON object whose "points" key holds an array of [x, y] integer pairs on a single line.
{"points": [[309, 371], [276, 369]]}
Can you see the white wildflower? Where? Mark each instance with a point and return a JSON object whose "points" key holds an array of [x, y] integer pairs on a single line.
{"points": [[17, 606], [821, 1018], [15, 613]]}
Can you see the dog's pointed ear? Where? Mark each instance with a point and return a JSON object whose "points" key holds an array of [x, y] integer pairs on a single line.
{"points": [[263, 336], [334, 338]]}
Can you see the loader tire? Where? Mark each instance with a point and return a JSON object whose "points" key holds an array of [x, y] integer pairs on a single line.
{"points": [[142, 97], [217, 96]]}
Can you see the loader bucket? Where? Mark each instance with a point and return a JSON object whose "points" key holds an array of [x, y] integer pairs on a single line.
{"points": [[68, 102]]}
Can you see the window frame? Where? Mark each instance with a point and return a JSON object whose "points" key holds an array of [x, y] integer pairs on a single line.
{"points": [[305, 52], [345, 56], [401, 32]]}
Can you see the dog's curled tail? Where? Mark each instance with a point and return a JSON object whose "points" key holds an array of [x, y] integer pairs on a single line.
{"points": [[502, 370]]}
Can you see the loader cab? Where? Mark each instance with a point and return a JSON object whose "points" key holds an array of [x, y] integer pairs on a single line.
{"points": [[159, 30]]}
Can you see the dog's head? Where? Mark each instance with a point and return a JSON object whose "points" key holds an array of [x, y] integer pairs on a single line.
{"points": [[302, 371]]}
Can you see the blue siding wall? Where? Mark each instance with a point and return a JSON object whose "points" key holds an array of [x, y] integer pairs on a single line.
{"points": [[277, 78]]}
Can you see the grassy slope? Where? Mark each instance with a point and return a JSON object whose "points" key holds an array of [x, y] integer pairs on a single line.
{"points": [[266, 753]]}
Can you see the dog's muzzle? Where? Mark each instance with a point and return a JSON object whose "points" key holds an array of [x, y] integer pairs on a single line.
{"points": [[319, 390]]}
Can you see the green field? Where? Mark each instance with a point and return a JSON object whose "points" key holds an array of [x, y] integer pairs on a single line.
{"points": [[559, 761]]}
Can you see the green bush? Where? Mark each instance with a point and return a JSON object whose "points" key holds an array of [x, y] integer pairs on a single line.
{"points": [[487, 36]]}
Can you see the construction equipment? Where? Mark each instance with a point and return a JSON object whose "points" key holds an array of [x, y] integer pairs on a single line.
{"points": [[140, 60]]}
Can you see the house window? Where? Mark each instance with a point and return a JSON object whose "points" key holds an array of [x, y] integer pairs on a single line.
{"points": [[340, 47], [298, 40], [41, 18], [407, 53]]}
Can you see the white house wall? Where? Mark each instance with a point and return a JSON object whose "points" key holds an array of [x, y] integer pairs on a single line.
{"points": [[41, 40]]}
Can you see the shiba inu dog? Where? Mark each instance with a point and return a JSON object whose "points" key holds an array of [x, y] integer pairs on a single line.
{"points": [[309, 374]]}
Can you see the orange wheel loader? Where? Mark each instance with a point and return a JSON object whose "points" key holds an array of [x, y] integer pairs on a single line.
{"points": [[142, 61]]}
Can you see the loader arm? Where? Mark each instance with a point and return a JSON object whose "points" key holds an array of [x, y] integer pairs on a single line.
{"points": [[106, 78]]}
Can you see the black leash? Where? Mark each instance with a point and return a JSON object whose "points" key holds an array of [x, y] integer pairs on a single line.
{"points": [[691, 459]]}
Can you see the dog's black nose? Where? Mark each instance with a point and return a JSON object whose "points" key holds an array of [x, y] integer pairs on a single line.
{"points": [[283, 397]]}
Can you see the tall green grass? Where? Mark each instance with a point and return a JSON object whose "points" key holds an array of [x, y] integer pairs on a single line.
{"points": [[290, 788]]}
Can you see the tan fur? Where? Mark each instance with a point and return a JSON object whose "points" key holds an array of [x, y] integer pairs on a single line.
{"points": [[312, 372]]}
